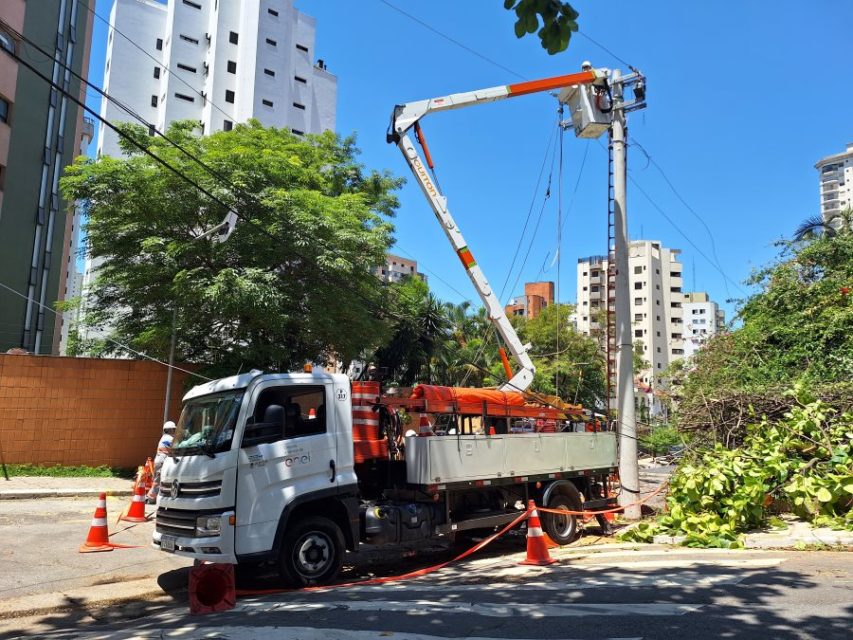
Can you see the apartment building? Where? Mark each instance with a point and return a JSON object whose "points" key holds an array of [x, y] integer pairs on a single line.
{"points": [[836, 183], [396, 267], [537, 296], [655, 281], [41, 131], [218, 62], [702, 319]]}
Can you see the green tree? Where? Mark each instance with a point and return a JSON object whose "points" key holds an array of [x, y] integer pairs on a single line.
{"points": [[294, 284], [558, 21], [568, 364], [816, 226], [418, 334]]}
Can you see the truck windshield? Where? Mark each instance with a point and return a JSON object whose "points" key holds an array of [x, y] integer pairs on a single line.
{"points": [[207, 424]]}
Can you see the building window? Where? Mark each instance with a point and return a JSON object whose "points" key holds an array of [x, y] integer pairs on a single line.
{"points": [[297, 132], [638, 301], [269, 72], [5, 108], [658, 334], [300, 79], [675, 289], [638, 269], [658, 349], [267, 103], [233, 37], [159, 44], [674, 274], [188, 39], [232, 66], [194, 5], [638, 333], [183, 96], [299, 106], [227, 125], [187, 68], [272, 42], [229, 96], [156, 72], [302, 47], [153, 101], [273, 13], [638, 285], [638, 317]]}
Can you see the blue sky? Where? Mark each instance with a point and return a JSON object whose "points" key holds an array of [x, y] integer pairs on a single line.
{"points": [[743, 99]]}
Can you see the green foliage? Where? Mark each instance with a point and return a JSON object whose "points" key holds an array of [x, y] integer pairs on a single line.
{"points": [[59, 471], [799, 326], [568, 364], [803, 463], [295, 284], [558, 21], [658, 441]]}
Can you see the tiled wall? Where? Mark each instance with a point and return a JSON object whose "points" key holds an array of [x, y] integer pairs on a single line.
{"points": [[75, 411]]}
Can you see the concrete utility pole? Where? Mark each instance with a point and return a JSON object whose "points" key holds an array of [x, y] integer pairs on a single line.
{"points": [[629, 471]]}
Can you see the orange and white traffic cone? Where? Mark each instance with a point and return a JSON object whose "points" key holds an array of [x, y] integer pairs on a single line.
{"points": [[98, 538], [312, 413], [136, 512], [537, 548], [424, 428]]}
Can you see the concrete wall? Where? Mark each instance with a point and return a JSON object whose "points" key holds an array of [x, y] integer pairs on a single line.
{"points": [[73, 411]]}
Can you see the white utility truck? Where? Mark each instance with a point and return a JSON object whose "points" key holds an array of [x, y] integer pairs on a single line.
{"points": [[296, 468]]}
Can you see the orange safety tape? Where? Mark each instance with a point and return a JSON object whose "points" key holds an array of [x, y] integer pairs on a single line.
{"points": [[405, 576], [564, 512]]}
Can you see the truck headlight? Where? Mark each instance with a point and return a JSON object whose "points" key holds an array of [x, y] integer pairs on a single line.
{"points": [[208, 525]]}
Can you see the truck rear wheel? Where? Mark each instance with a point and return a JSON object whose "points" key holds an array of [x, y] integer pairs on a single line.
{"points": [[562, 529], [312, 552]]}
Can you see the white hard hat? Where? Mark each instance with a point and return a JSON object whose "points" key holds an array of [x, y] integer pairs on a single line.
{"points": [[586, 64], [168, 426]]}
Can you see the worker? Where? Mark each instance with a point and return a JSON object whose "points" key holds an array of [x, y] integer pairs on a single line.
{"points": [[164, 448]]}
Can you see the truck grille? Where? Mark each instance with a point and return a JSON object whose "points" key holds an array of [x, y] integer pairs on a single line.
{"points": [[192, 489], [177, 522]]}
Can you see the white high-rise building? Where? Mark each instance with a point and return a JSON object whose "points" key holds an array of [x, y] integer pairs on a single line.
{"points": [[836, 183], [219, 62], [702, 319], [655, 281]]}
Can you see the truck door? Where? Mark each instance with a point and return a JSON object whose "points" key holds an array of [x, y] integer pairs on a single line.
{"points": [[288, 449]]}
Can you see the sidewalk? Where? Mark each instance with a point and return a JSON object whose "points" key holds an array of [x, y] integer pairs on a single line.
{"points": [[28, 487]]}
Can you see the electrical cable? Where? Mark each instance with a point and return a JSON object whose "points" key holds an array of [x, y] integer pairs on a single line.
{"points": [[115, 342], [678, 195], [204, 98], [453, 40]]}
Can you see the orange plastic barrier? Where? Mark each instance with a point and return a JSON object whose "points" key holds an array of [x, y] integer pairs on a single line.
{"points": [[466, 395]]}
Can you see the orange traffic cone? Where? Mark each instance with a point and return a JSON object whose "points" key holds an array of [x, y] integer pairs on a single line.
{"points": [[136, 512], [312, 413], [537, 549], [423, 426], [98, 539]]}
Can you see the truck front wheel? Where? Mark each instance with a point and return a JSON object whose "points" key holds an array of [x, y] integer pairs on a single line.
{"points": [[312, 552], [562, 529]]}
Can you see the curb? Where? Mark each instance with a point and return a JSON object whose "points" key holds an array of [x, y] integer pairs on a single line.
{"points": [[82, 599], [30, 494]]}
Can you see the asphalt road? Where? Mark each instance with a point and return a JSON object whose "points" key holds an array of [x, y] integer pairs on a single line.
{"points": [[592, 593]]}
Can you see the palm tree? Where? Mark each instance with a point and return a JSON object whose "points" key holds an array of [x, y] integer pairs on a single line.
{"points": [[816, 226]]}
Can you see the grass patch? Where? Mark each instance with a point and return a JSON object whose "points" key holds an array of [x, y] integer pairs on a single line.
{"points": [[59, 471]]}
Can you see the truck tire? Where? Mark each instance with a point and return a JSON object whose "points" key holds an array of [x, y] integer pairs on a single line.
{"points": [[562, 529], [312, 552]]}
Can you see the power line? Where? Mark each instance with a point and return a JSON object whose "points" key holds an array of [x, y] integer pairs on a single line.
{"points": [[452, 40], [605, 49], [204, 98], [687, 206], [115, 342]]}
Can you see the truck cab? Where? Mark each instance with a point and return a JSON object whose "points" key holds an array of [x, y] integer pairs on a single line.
{"points": [[248, 451]]}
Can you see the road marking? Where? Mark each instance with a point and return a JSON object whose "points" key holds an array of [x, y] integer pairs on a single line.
{"points": [[221, 632], [485, 609]]}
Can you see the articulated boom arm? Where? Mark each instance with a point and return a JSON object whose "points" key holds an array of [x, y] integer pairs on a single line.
{"points": [[406, 117]]}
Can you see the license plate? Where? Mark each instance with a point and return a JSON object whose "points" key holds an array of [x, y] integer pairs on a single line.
{"points": [[167, 543]]}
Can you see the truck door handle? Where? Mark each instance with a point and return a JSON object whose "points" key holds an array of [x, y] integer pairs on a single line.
{"points": [[332, 469]]}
